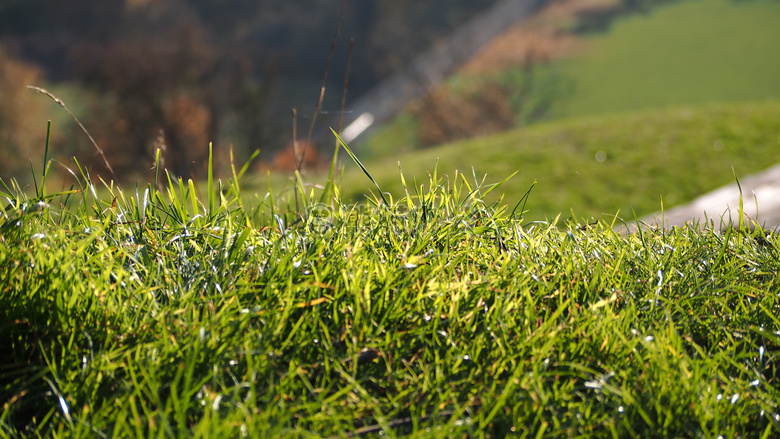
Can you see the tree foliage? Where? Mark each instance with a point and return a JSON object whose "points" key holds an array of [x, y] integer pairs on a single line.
{"points": [[185, 73]]}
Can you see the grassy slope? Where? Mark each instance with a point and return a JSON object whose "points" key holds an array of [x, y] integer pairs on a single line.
{"points": [[674, 154], [695, 52], [440, 317]]}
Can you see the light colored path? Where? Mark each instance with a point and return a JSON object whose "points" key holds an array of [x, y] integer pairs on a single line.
{"points": [[387, 98], [760, 200]]}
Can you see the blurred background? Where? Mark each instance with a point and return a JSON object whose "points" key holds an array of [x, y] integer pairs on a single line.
{"points": [[569, 87], [196, 70]]}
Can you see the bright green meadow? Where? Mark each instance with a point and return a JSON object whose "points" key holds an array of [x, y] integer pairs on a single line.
{"points": [[157, 313], [686, 53], [629, 165]]}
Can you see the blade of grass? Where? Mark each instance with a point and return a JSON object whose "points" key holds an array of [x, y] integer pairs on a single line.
{"points": [[46, 160], [365, 171], [211, 180], [75, 119]]}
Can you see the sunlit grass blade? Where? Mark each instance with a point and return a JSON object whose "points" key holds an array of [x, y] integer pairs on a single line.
{"points": [[211, 180], [363, 168]]}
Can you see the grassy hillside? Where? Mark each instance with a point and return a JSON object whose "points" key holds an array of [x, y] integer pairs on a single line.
{"points": [[694, 52], [159, 314], [686, 53], [606, 164]]}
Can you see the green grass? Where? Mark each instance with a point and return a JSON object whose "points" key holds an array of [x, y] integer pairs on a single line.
{"points": [[664, 156], [397, 137], [149, 313], [694, 52]]}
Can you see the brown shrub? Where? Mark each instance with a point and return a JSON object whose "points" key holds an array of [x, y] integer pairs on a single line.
{"points": [[147, 85], [446, 116], [189, 123], [286, 159]]}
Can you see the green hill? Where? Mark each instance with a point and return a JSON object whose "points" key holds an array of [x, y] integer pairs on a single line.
{"points": [[603, 165], [693, 52]]}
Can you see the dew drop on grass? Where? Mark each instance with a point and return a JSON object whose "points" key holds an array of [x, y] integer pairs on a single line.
{"points": [[592, 384], [754, 383], [64, 406], [719, 397], [466, 357], [621, 409], [735, 398]]}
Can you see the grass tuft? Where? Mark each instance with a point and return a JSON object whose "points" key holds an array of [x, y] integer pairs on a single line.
{"points": [[439, 314]]}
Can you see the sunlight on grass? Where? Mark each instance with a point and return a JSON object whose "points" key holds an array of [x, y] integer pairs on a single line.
{"points": [[150, 312], [602, 166]]}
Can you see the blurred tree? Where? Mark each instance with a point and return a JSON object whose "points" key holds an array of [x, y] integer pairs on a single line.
{"points": [[152, 83], [22, 135], [209, 70]]}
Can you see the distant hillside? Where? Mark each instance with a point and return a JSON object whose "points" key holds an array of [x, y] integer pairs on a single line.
{"points": [[599, 166], [684, 53], [692, 52]]}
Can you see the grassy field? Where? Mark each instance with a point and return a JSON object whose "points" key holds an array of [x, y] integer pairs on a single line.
{"points": [[604, 165], [694, 52], [147, 313]]}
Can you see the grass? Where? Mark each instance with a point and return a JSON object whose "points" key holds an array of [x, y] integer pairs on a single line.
{"points": [[602, 166], [157, 313], [688, 53]]}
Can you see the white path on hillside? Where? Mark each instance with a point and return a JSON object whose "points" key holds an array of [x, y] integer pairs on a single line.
{"points": [[390, 96], [760, 200]]}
